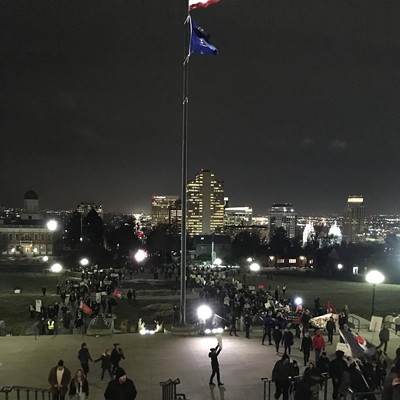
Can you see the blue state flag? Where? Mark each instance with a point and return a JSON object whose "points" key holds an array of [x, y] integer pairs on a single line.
{"points": [[199, 41]]}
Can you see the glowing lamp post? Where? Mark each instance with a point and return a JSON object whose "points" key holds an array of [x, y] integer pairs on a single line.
{"points": [[298, 301], [84, 262], [140, 256], [52, 225], [217, 262], [56, 268], [375, 278], [340, 266]]}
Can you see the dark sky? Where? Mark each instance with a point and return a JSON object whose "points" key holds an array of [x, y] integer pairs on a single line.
{"points": [[301, 104]]}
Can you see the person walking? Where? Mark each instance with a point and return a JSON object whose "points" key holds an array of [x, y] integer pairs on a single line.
{"points": [[287, 340], [79, 386], [120, 388], [247, 325], [213, 354], [306, 346], [337, 369], [277, 336], [384, 336], [84, 358], [280, 375], [267, 328], [106, 363], [232, 325], [318, 343], [116, 356], [59, 379], [330, 328]]}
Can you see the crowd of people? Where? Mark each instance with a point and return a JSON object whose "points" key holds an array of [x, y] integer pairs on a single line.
{"points": [[120, 387]]}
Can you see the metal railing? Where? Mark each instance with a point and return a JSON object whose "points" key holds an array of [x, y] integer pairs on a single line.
{"points": [[169, 390], [24, 392], [355, 321], [362, 395]]}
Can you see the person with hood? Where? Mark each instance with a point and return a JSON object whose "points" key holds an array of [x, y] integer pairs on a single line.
{"points": [[84, 357], [213, 354], [121, 388]]}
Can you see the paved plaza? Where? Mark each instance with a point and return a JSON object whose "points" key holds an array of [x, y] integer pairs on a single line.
{"points": [[26, 361]]}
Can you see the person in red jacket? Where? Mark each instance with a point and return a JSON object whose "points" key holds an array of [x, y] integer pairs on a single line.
{"points": [[318, 343]]}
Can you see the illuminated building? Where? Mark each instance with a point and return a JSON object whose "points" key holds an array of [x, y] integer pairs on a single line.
{"points": [[84, 208], [28, 236], [205, 204], [283, 216], [165, 210], [238, 216], [353, 219]]}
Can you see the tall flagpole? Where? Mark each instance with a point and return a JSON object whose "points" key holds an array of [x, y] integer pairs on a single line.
{"points": [[185, 105]]}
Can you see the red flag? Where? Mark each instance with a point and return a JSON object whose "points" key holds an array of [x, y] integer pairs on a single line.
{"points": [[117, 294], [86, 309], [201, 3], [330, 307]]}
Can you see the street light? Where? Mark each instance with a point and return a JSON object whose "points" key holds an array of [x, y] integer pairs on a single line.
{"points": [[84, 262], [56, 268], [254, 267], [340, 266], [140, 255], [52, 225], [217, 262], [375, 278]]}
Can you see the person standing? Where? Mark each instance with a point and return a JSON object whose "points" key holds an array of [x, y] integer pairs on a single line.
{"points": [[384, 336], [318, 343], [120, 388], [84, 357], [306, 345], [287, 340], [396, 321], [59, 378], [277, 336], [116, 356], [267, 326], [79, 386], [330, 328], [233, 325], [213, 354], [106, 363]]}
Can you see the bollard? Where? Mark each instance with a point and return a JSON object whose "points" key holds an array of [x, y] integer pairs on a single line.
{"points": [[265, 381]]}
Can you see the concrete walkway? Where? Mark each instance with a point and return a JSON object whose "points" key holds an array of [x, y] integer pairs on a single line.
{"points": [[149, 360]]}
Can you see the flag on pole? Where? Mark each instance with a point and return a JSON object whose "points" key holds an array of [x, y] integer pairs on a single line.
{"points": [[201, 3], [199, 41], [117, 294]]}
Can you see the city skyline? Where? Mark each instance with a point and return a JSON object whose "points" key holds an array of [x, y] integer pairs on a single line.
{"points": [[299, 106]]}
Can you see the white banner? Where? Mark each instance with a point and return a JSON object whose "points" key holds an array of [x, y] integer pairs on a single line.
{"points": [[38, 305]]}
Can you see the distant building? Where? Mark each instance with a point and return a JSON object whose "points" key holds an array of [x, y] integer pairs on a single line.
{"points": [[210, 247], [30, 235], [354, 219], [238, 216], [166, 210], [84, 208], [205, 204], [283, 216]]}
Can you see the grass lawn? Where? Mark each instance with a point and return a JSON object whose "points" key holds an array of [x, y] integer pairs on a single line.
{"points": [[357, 295]]}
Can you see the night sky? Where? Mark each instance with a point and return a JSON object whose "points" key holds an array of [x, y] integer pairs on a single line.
{"points": [[301, 105]]}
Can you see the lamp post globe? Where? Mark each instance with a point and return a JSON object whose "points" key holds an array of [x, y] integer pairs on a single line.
{"points": [[84, 262], [52, 225], [56, 268], [375, 278], [254, 267]]}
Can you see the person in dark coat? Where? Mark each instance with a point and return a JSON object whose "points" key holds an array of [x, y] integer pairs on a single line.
{"points": [[116, 356], [121, 388], [267, 326], [330, 328], [384, 335], [106, 363], [306, 346], [337, 368], [247, 324], [232, 325], [213, 354], [84, 357], [287, 340], [283, 369], [59, 379], [277, 336]]}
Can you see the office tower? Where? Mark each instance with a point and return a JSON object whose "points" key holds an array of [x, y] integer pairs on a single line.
{"points": [[283, 216], [165, 210], [353, 219], [84, 208], [205, 204], [238, 216]]}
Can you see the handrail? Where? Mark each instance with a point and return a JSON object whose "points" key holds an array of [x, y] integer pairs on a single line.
{"points": [[39, 393], [355, 319]]}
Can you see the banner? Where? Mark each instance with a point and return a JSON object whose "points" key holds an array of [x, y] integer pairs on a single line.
{"points": [[38, 305]]}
